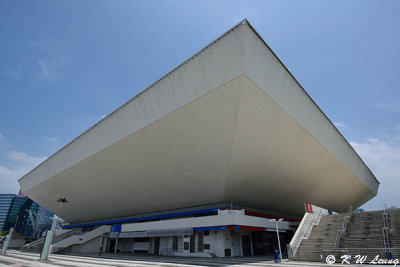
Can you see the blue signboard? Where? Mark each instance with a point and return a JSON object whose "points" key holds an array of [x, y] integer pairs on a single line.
{"points": [[116, 228]]}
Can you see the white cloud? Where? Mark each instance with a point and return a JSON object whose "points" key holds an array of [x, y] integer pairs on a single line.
{"points": [[383, 158], [55, 58], [15, 165], [52, 139], [44, 67], [51, 70], [339, 124]]}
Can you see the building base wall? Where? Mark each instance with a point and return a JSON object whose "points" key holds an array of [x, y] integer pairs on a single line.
{"points": [[215, 233], [213, 243]]}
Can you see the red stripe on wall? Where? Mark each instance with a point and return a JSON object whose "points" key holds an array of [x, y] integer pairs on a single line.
{"points": [[253, 228]]}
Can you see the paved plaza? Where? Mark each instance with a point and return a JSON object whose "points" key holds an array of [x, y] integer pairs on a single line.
{"points": [[16, 258]]}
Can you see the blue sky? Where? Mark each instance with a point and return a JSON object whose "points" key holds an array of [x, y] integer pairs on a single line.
{"points": [[65, 64]]}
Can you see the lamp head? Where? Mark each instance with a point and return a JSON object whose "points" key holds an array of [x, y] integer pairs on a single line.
{"points": [[62, 200]]}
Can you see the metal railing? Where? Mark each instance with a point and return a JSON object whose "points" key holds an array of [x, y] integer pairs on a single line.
{"points": [[304, 230], [385, 233], [36, 246], [342, 230], [78, 238], [337, 239]]}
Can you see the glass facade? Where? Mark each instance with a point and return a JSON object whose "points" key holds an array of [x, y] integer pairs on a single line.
{"points": [[5, 203], [18, 216], [16, 212]]}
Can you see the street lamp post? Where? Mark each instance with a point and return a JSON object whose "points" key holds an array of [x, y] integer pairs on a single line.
{"points": [[61, 201], [277, 234]]}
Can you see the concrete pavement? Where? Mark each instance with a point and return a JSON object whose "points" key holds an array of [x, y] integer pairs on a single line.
{"points": [[17, 258]]}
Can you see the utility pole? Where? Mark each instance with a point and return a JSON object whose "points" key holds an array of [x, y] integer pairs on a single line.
{"points": [[277, 234]]}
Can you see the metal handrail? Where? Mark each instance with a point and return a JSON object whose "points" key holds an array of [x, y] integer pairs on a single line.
{"points": [[313, 221], [337, 240], [305, 231], [386, 241], [347, 219], [342, 231]]}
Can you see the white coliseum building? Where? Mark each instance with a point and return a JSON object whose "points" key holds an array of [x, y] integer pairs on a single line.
{"points": [[200, 161]]}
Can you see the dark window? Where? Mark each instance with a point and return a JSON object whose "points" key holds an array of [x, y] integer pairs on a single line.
{"points": [[175, 243], [141, 239], [206, 232], [206, 246], [227, 252], [87, 228], [186, 246], [200, 242], [191, 244]]}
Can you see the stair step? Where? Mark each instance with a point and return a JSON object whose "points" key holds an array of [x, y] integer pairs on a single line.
{"points": [[363, 231]]}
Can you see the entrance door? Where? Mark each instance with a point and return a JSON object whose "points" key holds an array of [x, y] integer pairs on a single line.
{"points": [[264, 243], [200, 242], [246, 245], [191, 244], [156, 245], [111, 246]]}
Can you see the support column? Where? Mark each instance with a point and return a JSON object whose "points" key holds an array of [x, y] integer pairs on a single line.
{"points": [[116, 245], [251, 244], [47, 242]]}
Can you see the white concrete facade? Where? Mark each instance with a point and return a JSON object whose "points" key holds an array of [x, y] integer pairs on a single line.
{"points": [[202, 242], [225, 217], [216, 241], [221, 235]]}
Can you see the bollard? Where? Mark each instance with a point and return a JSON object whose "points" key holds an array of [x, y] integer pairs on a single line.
{"points": [[7, 241], [47, 242], [277, 256]]}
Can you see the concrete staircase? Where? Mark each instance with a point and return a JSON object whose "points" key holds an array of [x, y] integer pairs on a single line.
{"points": [[394, 231], [321, 238], [37, 245], [71, 243], [67, 242], [364, 235]]}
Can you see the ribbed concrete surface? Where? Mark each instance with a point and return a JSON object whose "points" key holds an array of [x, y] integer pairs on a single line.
{"points": [[231, 124]]}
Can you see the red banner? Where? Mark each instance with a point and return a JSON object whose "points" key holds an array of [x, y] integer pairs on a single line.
{"points": [[309, 208]]}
